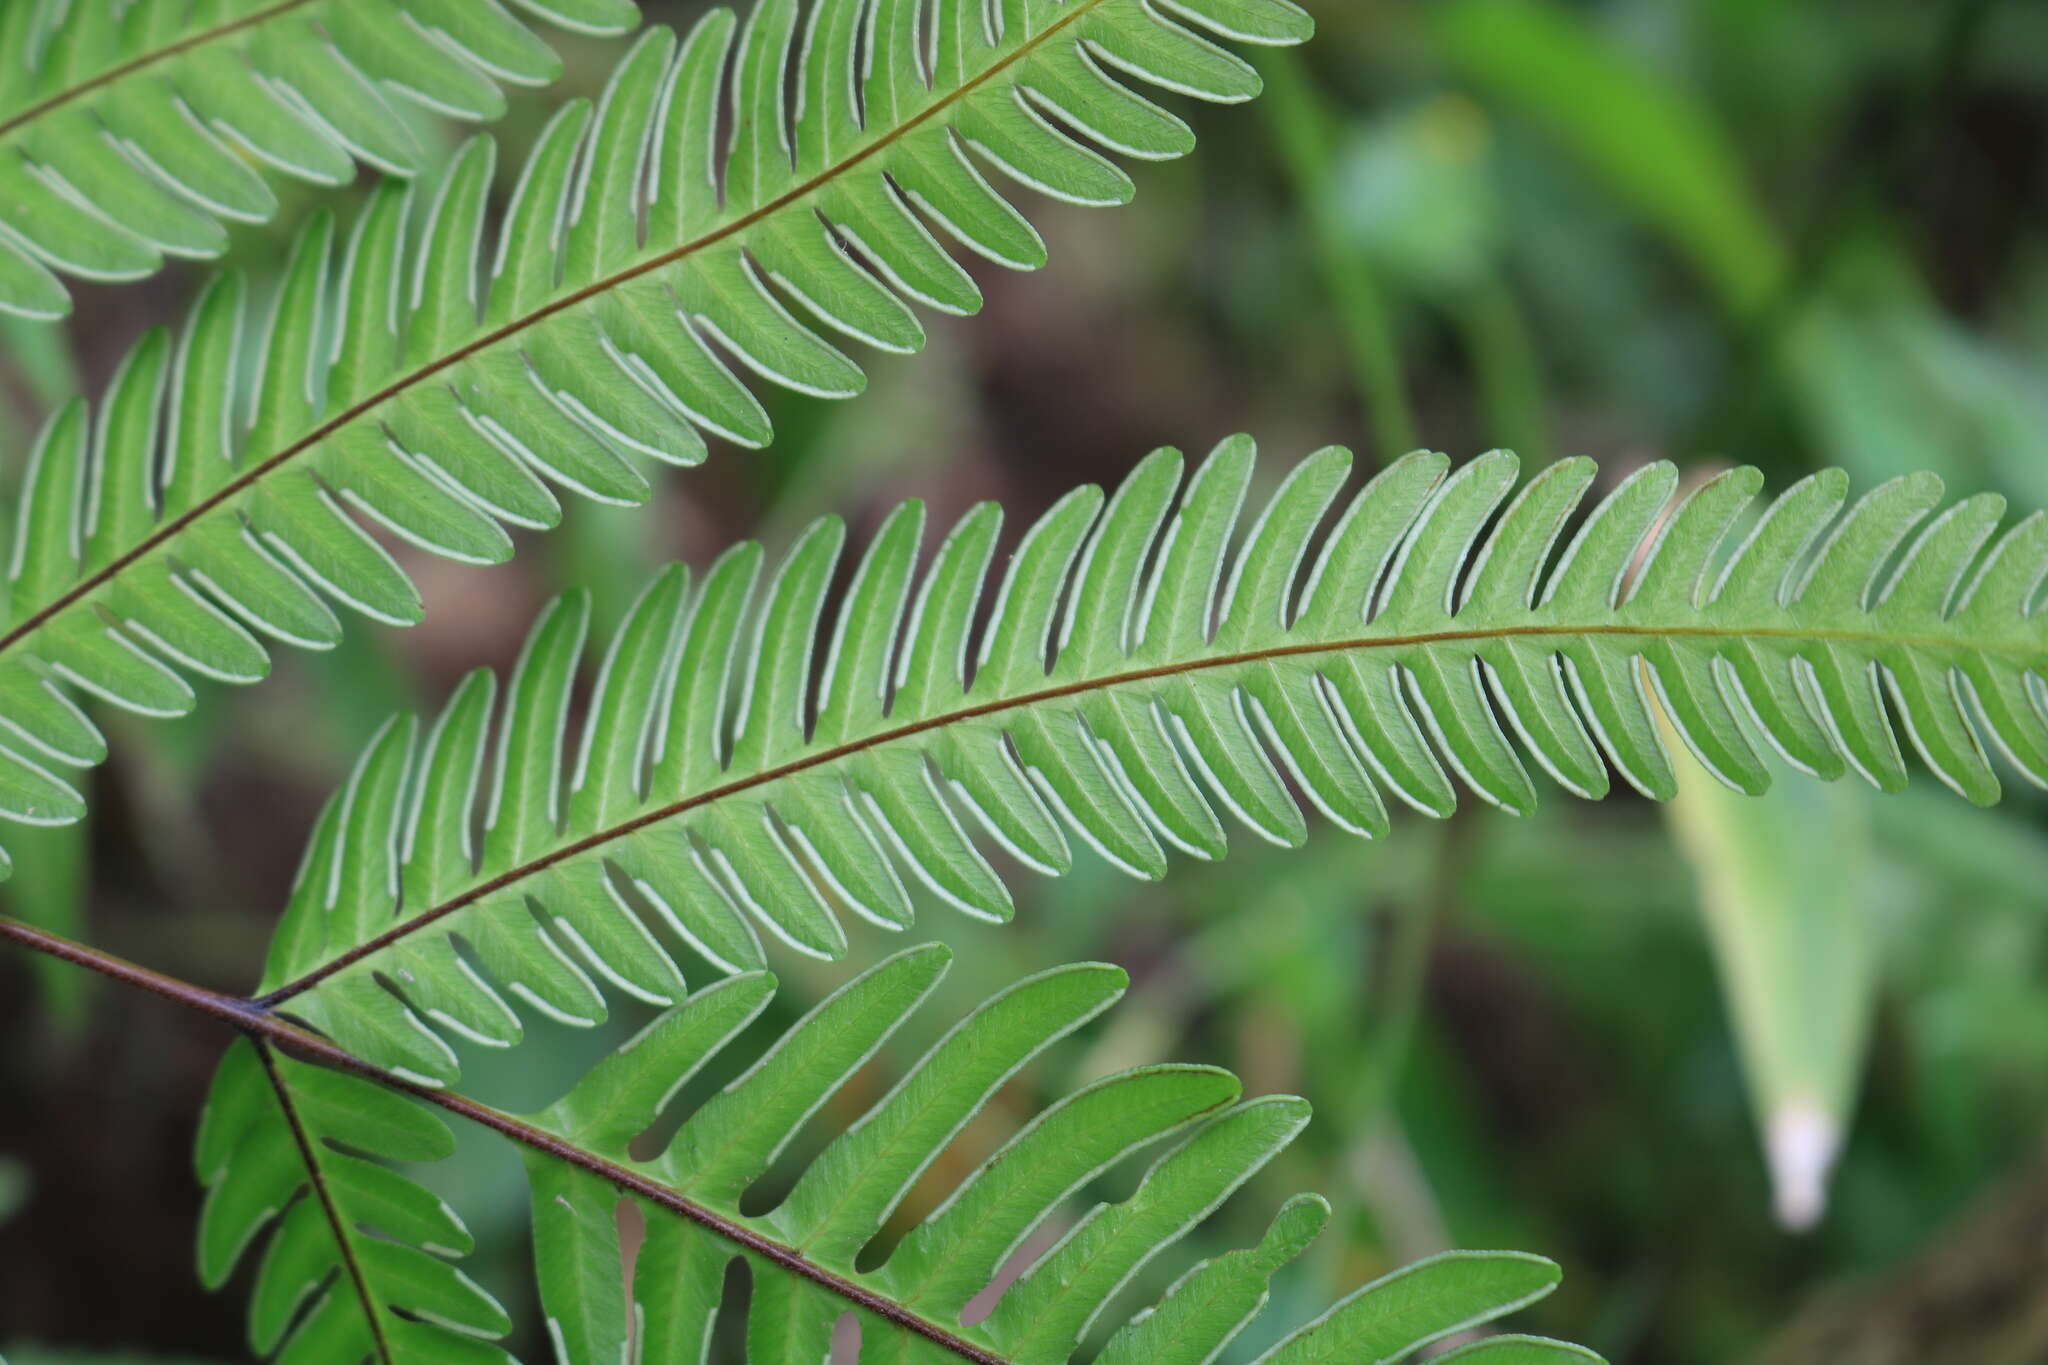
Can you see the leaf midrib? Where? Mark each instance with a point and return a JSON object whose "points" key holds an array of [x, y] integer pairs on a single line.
{"points": [[316, 1177], [121, 71], [248, 479], [996, 706]]}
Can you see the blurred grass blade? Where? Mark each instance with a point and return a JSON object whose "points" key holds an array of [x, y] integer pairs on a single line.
{"points": [[1785, 883], [1644, 137], [13, 1187], [1886, 382], [48, 889], [1417, 193], [1301, 132]]}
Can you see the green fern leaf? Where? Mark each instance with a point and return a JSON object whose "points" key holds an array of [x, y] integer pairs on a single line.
{"points": [[804, 1255], [164, 531], [127, 130], [359, 1262], [1143, 666], [1520, 1350]]}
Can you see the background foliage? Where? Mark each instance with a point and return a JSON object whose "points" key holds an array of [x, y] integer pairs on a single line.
{"points": [[1708, 230]]}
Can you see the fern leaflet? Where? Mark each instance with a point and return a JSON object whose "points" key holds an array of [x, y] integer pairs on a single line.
{"points": [[802, 1256], [360, 1261], [166, 531], [126, 130], [1135, 673]]}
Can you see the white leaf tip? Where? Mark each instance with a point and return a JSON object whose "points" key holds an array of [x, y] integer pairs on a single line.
{"points": [[1801, 1142]]}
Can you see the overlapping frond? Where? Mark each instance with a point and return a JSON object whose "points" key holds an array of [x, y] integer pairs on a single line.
{"points": [[359, 1260], [645, 245], [806, 1257], [128, 127], [1141, 667]]}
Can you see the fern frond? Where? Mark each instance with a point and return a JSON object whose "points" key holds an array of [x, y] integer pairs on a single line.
{"points": [[359, 1262], [1137, 671], [165, 531], [804, 1255], [127, 129]]}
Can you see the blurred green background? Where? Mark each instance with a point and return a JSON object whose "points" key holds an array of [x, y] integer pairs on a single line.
{"points": [[1708, 231]]}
